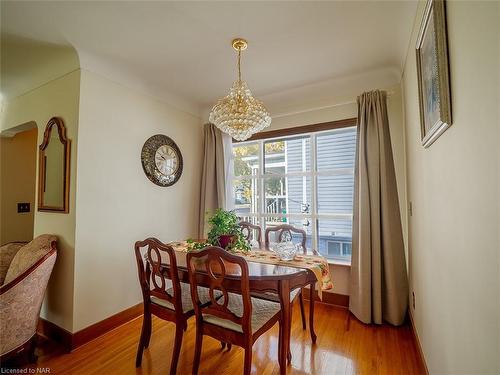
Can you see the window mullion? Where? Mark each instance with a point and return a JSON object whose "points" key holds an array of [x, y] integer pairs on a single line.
{"points": [[260, 180], [286, 180], [314, 211]]}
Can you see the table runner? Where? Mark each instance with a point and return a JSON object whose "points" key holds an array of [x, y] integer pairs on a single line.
{"points": [[315, 263]]}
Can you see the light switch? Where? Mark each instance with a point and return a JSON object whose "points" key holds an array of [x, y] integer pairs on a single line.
{"points": [[23, 207]]}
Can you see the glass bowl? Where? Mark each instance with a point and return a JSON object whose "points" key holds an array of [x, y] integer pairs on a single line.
{"points": [[285, 250]]}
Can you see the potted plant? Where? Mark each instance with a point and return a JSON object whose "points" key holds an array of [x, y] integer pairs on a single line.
{"points": [[223, 228], [224, 232]]}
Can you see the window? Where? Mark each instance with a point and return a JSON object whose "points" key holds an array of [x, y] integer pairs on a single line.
{"points": [[336, 249], [305, 180]]}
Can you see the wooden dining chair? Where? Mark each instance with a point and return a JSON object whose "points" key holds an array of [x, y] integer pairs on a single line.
{"points": [[236, 318], [247, 228], [284, 233], [157, 268]]}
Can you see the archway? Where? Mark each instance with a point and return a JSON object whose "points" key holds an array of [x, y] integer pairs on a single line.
{"points": [[18, 155]]}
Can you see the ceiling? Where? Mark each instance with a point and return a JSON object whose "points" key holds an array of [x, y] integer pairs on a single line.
{"points": [[182, 49]]}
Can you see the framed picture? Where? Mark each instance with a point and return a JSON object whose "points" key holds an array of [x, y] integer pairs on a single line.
{"points": [[433, 73]]}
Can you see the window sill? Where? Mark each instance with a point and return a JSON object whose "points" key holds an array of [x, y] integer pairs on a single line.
{"points": [[337, 262]]}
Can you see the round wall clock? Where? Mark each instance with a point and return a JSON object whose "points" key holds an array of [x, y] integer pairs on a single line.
{"points": [[161, 160]]}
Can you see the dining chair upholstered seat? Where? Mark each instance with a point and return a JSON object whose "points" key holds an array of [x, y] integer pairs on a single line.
{"points": [[262, 311], [187, 301], [270, 296]]}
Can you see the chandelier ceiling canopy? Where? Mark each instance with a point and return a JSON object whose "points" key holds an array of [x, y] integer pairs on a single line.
{"points": [[239, 114]]}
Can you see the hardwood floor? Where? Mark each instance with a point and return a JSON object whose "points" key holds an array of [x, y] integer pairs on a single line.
{"points": [[361, 350]]}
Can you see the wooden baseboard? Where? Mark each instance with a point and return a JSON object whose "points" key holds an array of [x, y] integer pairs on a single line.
{"points": [[95, 330], [56, 333], [417, 342], [71, 341], [329, 298]]}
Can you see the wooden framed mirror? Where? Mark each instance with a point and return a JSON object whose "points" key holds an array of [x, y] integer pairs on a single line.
{"points": [[54, 164]]}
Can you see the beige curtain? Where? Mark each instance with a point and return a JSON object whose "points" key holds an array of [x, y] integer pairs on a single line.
{"points": [[213, 186], [379, 283]]}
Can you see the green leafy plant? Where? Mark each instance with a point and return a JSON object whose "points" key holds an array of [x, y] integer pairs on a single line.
{"points": [[239, 244], [195, 245], [223, 223]]}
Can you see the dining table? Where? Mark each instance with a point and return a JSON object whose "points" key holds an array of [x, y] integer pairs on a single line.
{"points": [[268, 273]]}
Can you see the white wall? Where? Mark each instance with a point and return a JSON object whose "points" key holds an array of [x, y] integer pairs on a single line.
{"points": [[454, 186], [117, 204], [26, 64], [56, 98]]}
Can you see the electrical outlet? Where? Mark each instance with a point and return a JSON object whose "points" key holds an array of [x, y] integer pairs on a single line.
{"points": [[23, 207], [413, 299]]}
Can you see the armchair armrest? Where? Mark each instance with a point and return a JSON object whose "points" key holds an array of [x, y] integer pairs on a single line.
{"points": [[20, 303], [5, 287], [7, 252]]}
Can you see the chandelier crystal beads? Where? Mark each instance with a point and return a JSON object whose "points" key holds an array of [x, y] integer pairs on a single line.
{"points": [[239, 114]]}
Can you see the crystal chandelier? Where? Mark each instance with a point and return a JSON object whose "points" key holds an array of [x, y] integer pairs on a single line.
{"points": [[239, 114]]}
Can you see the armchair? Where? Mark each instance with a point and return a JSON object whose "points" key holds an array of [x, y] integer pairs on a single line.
{"points": [[21, 294]]}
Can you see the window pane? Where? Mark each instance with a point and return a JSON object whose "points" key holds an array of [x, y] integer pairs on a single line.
{"points": [[347, 249], [275, 195], [335, 194], [299, 195], [289, 155], [274, 157], [335, 238], [334, 248], [246, 198], [246, 159], [288, 195], [336, 149]]}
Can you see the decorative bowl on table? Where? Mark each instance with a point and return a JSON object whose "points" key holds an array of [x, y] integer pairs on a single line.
{"points": [[285, 250]]}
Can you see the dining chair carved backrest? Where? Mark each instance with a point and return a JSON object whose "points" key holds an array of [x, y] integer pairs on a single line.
{"points": [[154, 276], [214, 261], [284, 232], [251, 232], [163, 294], [236, 318]]}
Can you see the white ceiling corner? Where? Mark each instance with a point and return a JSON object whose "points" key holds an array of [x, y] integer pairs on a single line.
{"points": [[298, 52]]}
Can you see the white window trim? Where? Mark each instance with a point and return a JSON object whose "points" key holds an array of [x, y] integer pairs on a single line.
{"points": [[331, 172]]}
